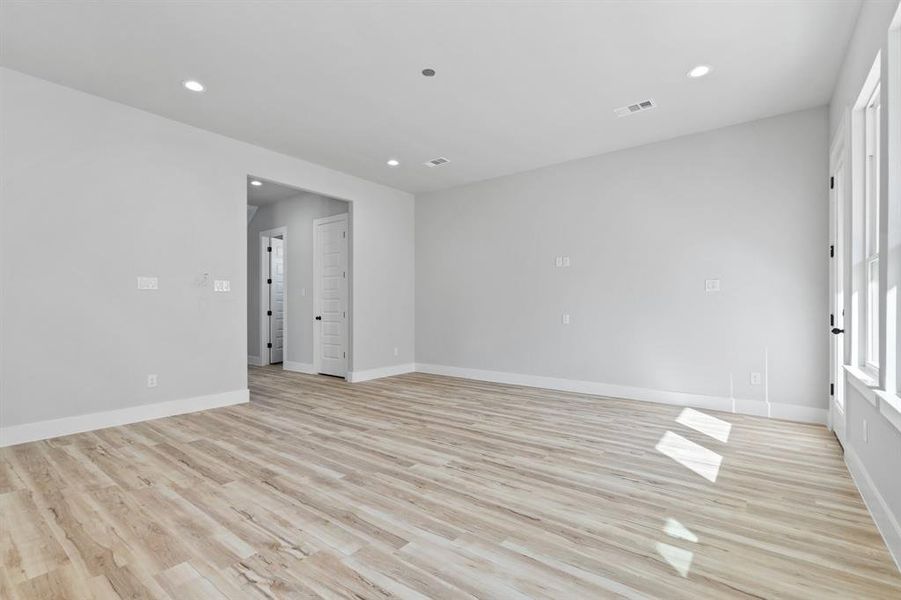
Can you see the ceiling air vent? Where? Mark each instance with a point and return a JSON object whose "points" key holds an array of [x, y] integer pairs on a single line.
{"points": [[631, 109], [437, 162]]}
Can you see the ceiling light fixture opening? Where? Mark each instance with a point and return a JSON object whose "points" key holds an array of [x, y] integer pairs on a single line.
{"points": [[194, 86], [428, 72], [256, 183], [699, 71]]}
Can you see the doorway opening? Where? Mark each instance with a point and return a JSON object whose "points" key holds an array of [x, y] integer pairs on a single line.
{"points": [[299, 279]]}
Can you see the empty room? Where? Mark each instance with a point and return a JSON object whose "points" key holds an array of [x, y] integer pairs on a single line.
{"points": [[450, 299]]}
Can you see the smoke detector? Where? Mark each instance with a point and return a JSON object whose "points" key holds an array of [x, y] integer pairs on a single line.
{"points": [[437, 162], [631, 109]]}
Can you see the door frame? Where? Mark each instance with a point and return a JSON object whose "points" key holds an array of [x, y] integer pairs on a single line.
{"points": [[839, 272], [317, 326], [264, 293]]}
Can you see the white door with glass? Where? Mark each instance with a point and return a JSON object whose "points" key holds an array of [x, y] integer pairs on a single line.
{"points": [[330, 295]]}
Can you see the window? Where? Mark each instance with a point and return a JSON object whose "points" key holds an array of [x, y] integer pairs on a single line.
{"points": [[872, 114]]}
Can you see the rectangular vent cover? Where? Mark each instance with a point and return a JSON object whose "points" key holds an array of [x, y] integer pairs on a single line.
{"points": [[631, 109], [437, 162]]}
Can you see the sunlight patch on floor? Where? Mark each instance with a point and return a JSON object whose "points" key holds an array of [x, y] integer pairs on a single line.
{"points": [[676, 529], [678, 558], [696, 457], [706, 424]]}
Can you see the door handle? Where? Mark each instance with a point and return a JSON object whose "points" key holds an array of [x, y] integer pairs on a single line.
{"points": [[837, 331], [318, 317]]}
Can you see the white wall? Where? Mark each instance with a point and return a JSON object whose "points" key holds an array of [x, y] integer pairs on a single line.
{"points": [[297, 215], [95, 193], [644, 228]]}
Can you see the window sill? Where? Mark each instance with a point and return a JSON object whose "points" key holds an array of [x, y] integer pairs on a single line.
{"points": [[864, 383], [887, 403], [890, 407]]}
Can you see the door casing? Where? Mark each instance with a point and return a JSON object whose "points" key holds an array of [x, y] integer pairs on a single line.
{"points": [[839, 237]]}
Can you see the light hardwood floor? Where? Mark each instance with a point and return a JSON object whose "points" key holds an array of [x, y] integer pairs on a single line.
{"points": [[420, 486]]}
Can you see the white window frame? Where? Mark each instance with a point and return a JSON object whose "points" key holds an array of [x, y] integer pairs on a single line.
{"points": [[865, 274], [871, 175]]}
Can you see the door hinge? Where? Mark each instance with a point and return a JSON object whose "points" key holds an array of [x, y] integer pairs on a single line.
{"points": [[831, 320], [269, 281], [268, 313], [269, 345], [345, 354], [345, 274], [831, 250], [344, 234], [831, 389], [269, 249], [832, 183]]}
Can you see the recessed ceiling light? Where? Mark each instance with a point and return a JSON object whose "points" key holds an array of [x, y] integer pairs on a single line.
{"points": [[194, 86], [393, 162], [428, 72], [699, 71], [256, 183]]}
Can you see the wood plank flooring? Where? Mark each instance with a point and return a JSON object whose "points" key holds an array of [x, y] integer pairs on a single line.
{"points": [[421, 486]]}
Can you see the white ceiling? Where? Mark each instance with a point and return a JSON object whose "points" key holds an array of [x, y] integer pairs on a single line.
{"points": [[270, 192], [519, 85]]}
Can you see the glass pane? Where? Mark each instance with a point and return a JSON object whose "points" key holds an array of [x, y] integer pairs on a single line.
{"points": [[873, 312]]}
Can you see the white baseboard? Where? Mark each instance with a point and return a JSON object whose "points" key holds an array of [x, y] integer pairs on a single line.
{"points": [[42, 430], [886, 521], [358, 376], [255, 361], [749, 407], [298, 367]]}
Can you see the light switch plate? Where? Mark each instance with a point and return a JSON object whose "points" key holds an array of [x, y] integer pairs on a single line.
{"points": [[712, 285], [558, 261], [756, 378], [565, 318], [566, 262], [222, 285], [148, 283]]}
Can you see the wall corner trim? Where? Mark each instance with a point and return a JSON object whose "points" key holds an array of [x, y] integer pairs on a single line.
{"points": [[760, 408], [886, 521], [379, 372], [42, 430]]}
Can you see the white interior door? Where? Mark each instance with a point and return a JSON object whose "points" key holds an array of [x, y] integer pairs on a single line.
{"points": [[837, 300], [276, 310], [330, 295]]}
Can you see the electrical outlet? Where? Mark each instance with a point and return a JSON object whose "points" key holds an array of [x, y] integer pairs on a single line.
{"points": [[303, 291], [565, 318], [148, 283], [866, 432], [756, 378], [151, 380]]}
